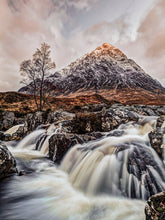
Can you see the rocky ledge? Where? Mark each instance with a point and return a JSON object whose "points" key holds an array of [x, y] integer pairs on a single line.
{"points": [[7, 162], [155, 208]]}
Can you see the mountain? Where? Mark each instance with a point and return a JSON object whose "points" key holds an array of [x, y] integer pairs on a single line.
{"points": [[108, 72]]}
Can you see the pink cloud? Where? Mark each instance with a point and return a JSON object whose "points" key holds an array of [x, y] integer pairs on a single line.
{"points": [[24, 25]]}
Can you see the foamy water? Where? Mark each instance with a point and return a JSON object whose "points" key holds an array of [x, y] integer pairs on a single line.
{"points": [[93, 181]]}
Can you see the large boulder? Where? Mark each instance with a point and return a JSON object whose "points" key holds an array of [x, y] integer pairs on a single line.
{"points": [[155, 208], [7, 162]]}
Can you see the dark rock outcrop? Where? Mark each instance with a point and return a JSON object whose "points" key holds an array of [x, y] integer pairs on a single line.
{"points": [[32, 121], [156, 141], [7, 162], [7, 120], [103, 121], [157, 137], [155, 208]]}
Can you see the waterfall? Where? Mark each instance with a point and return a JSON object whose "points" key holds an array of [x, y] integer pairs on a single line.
{"points": [[103, 179], [43, 143], [49, 195], [120, 166], [30, 140]]}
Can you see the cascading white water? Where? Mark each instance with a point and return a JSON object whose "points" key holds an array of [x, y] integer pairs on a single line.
{"points": [[114, 165], [91, 182], [48, 195], [30, 140], [44, 141]]}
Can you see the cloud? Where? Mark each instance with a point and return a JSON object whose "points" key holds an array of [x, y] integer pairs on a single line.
{"points": [[22, 28], [24, 25], [75, 27], [149, 47]]}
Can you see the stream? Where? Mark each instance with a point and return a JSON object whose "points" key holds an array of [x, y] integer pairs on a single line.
{"points": [[110, 178]]}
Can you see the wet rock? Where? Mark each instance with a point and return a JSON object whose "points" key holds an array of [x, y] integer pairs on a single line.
{"points": [[145, 166], [7, 137], [20, 133], [32, 121], [16, 132], [59, 116], [21, 173], [103, 121], [39, 118], [156, 141], [59, 144], [1, 135], [7, 162], [157, 137], [116, 116], [7, 120], [155, 208], [160, 121]]}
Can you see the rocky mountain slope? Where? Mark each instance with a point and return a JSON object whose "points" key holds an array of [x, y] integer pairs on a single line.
{"points": [[108, 72]]}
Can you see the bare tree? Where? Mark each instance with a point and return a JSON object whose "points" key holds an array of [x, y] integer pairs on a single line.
{"points": [[34, 73]]}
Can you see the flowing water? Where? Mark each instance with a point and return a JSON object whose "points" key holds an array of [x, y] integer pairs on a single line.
{"points": [[107, 179]]}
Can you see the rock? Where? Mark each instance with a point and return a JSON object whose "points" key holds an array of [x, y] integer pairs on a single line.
{"points": [[58, 116], [155, 208], [103, 121], [38, 118], [32, 121], [20, 133], [7, 137], [156, 141], [160, 121], [7, 120], [59, 144], [21, 173], [157, 137], [16, 132], [1, 135], [7, 162]]}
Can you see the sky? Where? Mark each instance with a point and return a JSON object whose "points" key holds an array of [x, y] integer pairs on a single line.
{"points": [[75, 27]]}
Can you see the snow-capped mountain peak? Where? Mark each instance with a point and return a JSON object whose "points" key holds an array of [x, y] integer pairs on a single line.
{"points": [[106, 71]]}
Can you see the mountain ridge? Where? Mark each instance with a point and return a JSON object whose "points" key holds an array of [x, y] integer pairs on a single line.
{"points": [[105, 70]]}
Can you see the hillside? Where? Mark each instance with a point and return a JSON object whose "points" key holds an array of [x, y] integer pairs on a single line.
{"points": [[23, 103]]}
